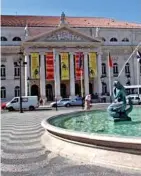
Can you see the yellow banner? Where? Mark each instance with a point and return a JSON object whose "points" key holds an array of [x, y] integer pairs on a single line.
{"points": [[92, 65], [35, 66], [64, 66]]}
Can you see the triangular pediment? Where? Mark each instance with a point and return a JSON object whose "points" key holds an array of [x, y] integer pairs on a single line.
{"points": [[63, 34]]}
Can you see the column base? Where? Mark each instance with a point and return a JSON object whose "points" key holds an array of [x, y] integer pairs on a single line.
{"points": [[58, 97]]}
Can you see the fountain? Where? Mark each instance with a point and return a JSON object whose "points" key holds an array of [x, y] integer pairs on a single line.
{"points": [[91, 134], [118, 109]]}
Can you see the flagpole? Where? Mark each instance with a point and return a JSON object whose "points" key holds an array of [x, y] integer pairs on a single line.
{"points": [[81, 83], [129, 58], [54, 56], [110, 89], [138, 79]]}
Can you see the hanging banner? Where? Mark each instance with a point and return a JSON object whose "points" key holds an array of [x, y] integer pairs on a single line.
{"points": [[79, 59], [49, 66], [35, 66], [92, 65], [65, 66]]}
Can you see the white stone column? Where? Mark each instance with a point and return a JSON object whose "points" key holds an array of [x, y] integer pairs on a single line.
{"points": [[86, 74], [57, 75], [42, 76], [72, 79], [99, 73], [27, 75]]}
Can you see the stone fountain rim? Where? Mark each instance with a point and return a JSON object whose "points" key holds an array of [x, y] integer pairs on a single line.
{"points": [[93, 136]]}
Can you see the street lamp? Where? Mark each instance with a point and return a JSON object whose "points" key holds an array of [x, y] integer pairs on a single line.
{"points": [[56, 103], [28, 86], [21, 64]]}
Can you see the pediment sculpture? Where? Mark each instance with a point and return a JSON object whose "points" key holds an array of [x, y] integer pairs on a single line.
{"points": [[64, 35]]}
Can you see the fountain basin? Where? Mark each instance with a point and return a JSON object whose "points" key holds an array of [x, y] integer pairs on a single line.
{"points": [[130, 144]]}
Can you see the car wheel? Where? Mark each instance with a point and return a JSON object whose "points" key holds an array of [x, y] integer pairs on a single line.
{"points": [[67, 105], [31, 108], [10, 109]]}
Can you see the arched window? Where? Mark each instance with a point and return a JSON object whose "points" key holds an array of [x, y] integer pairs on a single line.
{"points": [[103, 39], [115, 69], [127, 69], [113, 40], [16, 70], [3, 38], [3, 92], [3, 72], [16, 39], [17, 91], [125, 40], [103, 69]]}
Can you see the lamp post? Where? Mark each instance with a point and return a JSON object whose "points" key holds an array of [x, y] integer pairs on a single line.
{"points": [[21, 64], [56, 103], [28, 86]]}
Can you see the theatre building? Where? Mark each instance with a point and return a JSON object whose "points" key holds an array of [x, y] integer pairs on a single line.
{"points": [[66, 56]]}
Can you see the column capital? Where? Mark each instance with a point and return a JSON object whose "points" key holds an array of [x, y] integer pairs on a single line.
{"points": [[86, 53], [42, 53], [99, 53], [26, 53], [72, 52]]}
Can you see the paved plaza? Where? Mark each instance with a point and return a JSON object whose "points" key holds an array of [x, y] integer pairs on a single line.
{"points": [[24, 155]]}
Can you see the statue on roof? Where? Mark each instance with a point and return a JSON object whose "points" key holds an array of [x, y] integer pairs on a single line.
{"points": [[26, 30], [97, 32], [63, 18]]}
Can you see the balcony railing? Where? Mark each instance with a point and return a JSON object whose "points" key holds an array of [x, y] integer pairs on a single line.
{"points": [[11, 43]]}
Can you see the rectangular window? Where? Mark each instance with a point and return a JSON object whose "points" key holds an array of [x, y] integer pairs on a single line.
{"points": [[3, 72], [17, 72], [3, 93]]}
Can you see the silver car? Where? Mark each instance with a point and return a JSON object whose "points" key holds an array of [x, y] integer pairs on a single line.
{"points": [[136, 100], [67, 102]]}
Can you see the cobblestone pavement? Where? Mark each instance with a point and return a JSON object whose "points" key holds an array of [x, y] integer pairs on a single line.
{"points": [[23, 155]]}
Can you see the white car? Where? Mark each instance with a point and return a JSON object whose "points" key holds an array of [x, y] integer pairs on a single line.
{"points": [[135, 99]]}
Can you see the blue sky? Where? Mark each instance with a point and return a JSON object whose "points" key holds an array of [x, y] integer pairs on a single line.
{"points": [[125, 10]]}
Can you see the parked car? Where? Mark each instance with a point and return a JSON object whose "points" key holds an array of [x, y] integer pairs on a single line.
{"points": [[3, 105], [28, 103], [136, 100], [67, 102]]}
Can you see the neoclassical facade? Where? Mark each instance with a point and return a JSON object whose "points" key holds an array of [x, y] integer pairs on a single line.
{"points": [[51, 41]]}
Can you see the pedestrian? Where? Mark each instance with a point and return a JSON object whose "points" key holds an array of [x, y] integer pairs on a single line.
{"points": [[88, 102], [41, 101]]}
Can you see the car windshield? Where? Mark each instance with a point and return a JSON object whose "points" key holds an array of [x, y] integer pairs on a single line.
{"points": [[66, 99]]}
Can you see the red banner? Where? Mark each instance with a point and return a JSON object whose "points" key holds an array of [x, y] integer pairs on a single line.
{"points": [[49, 66], [79, 59]]}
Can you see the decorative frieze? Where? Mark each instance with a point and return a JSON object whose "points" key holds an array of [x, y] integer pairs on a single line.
{"points": [[64, 35]]}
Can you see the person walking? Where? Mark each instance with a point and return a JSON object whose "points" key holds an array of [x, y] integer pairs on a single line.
{"points": [[87, 102], [41, 101]]}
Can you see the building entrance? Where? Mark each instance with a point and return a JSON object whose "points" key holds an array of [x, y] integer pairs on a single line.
{"points": [[77, 89], [63, 91], [49, 92], [35, 90]]}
